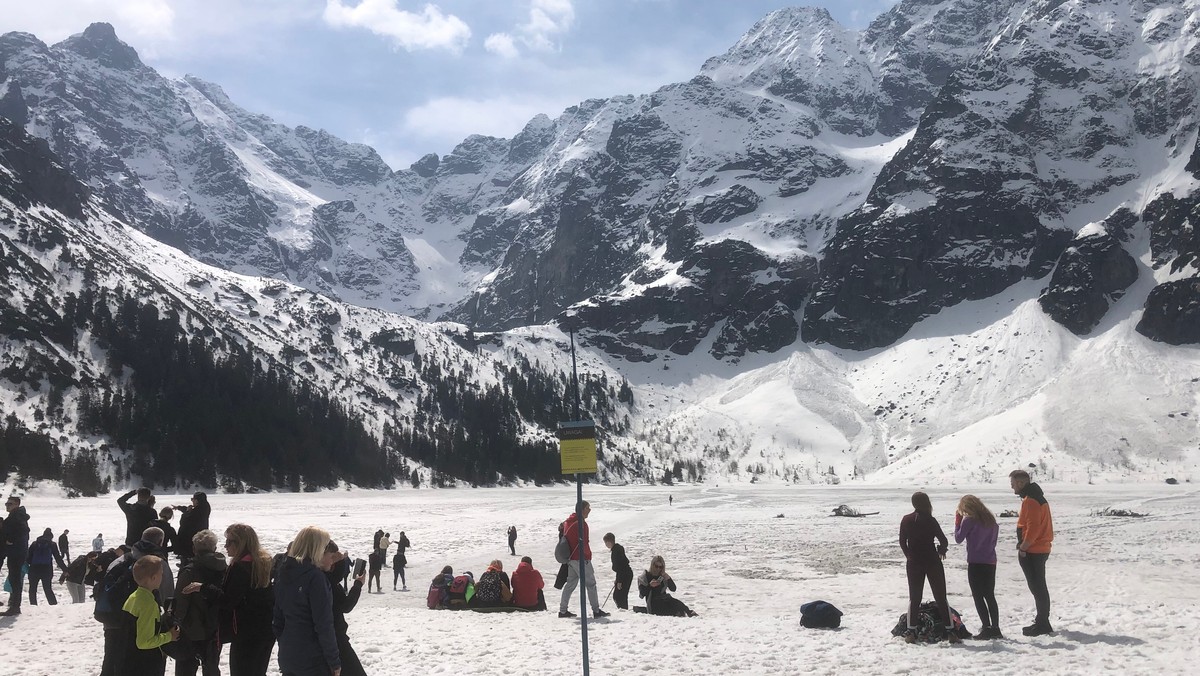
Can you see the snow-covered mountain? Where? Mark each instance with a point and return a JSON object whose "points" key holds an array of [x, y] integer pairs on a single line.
{"points": [[895, 252]]}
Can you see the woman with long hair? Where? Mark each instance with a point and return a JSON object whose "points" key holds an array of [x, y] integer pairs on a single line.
{"points": [[918, 531], [303, 620], [975, 523], [246, 602], [654, 585]]}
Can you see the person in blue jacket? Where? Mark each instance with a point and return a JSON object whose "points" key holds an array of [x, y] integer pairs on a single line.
{"points": [[43, 554], [303, 620]]}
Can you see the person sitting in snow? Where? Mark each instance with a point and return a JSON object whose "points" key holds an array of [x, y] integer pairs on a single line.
{"points": [[654, 584]]}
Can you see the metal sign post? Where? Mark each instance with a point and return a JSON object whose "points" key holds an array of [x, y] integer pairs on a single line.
{"points": [[577, 452]]}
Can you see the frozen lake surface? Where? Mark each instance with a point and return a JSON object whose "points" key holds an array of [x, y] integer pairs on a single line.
{"points": [[1125, 593]]}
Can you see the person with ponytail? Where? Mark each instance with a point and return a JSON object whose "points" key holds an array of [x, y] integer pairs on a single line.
{"points": [[918, 531], [975, 523]]}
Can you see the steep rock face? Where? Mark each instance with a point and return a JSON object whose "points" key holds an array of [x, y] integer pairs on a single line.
{"points": [[1091, 275], [975, 202], [29, 174], [1172, 312]]}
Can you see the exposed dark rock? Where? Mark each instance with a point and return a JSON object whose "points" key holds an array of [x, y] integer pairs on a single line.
{"points": [[1172, 313], [37, 177], [1092, 273], [1174, 237], [427, 166], [99, 42], [738, 200]]}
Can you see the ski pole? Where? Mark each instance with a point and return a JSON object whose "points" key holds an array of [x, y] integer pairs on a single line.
{"points": [[610, 591]]}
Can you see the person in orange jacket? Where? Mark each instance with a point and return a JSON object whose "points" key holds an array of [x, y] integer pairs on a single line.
{"points": [[1035, 534]]}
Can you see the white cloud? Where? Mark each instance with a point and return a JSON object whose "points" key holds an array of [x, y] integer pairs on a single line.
{"points": [[145, 21], [501, 44], [430, 29], [449, 119], [548, 20]]}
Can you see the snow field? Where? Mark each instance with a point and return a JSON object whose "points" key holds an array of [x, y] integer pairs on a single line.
{"points": [[1124, 592]]}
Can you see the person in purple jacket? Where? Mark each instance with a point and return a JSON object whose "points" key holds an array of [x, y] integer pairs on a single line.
{"points": [[975, 523], [918, 531]]}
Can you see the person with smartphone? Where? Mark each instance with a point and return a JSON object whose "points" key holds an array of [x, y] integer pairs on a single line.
{"points": [[343, 602]]}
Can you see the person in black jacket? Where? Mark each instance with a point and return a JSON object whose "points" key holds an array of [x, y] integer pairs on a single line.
{"points": [[620, 566], [343, 602], [14, 535], [375, 565], [163, 522], [64, 545], [77, 574], [192, 520], [303, 615], [512, 540], [138, 515], [197, 609], [654, 584], [43, 554], [245, 603]]}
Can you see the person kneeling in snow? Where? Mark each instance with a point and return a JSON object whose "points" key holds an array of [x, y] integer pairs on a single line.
{"points": [[653, 585]]}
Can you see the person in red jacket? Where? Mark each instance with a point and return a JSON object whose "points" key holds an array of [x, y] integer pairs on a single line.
{"points": [[572, 531], [527, 585], [1035, 534]]}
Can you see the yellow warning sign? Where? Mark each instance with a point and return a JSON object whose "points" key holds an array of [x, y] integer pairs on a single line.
{"points": [[577, 447]]}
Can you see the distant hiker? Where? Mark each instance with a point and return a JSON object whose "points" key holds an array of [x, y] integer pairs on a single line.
{"points": [[527, 586], [384, 543], [335, 565], [303, 618], [138, 515], [192, 519], [64, 545], [403, 543], [197, 608], [98, 543], [76, 575], [43, 554], [918, 531], [512, 540], [620, 566], [164, 522], [654, 585], [375, 566], [246, 602], [1035, 534], [142, 654], [399, 561], [976, 524], [375, 542], [577, 537], [14, 533], [670, 499]]}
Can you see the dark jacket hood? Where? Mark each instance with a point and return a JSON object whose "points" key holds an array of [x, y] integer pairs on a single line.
{"points": [[1034, 492], [214, 561]]}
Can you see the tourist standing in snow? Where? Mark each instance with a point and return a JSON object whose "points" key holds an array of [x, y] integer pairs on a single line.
{"points": [[620, 566], [14, 533], [43, 554], [399, 561], [918, 531], [192, 519], [374, 567], [577, 537], [512, 540], [384, 543], [64, 545], [976, 524], [1035, 534], [138, 515], [170, 537], [303, 615], [196, 607], [76, 575], [654, 585], [246, 602], [98, 542], [336, 564]]}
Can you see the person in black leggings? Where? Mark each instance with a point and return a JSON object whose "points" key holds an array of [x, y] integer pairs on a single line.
{"points": [[976, 524], [918, 531]]}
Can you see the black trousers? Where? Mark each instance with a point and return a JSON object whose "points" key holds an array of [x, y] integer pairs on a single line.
{"points": [[1034, 567], [982, 578], [16, 576], [374, 576], [621, 593], [351, 666], [250, 656], [115, 638], [918, 571], [191, 654], [43, 573], [398, 574]]}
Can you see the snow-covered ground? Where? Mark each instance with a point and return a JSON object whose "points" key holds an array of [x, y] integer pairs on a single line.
{"points": [[1125, 595]]}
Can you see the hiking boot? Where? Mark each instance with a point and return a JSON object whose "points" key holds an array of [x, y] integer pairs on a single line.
{"points": [[910, 635], [1037, 629], [952, 636], [597, 614], [566, 613], [11, 611]]}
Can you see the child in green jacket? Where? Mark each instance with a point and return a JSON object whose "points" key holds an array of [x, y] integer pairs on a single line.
{"points": [[143, 655]]}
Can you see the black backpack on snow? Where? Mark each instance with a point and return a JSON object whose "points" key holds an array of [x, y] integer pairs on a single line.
{"points": [[820, 615], [113, 590]]}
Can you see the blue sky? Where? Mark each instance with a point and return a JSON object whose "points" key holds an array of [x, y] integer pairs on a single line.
{"points": [[415, 77]]}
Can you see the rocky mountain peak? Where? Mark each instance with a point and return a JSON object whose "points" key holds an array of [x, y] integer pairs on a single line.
{"points": [[100, 43]]}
